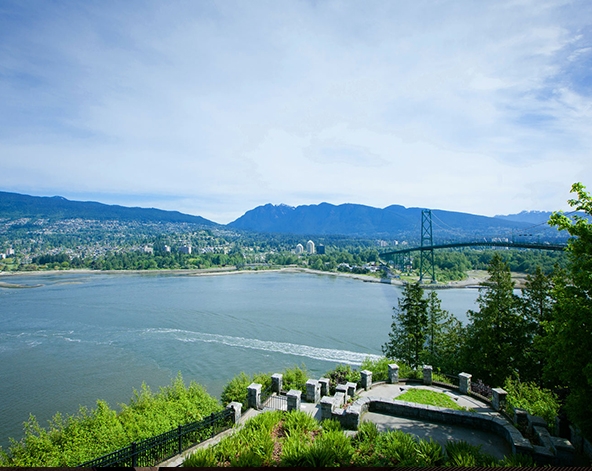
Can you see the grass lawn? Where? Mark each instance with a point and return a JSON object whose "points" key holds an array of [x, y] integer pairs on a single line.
{"points": [[430, 398]]}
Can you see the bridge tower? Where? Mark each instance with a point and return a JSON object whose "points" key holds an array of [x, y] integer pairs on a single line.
{"points": [[426, 261]]}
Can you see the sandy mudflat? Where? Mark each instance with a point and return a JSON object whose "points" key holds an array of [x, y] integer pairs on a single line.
{"points": [[473, 281]]}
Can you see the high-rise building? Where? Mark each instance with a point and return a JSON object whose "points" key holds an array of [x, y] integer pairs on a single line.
{"points": [[321, 249], [299, 248], [310, 247]]}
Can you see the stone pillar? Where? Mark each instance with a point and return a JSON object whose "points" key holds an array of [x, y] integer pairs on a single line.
{"points": [[341, 388], [498, 399], [427, 375], [313, 391], [324, 382], [254, 395], [351, 388], [237, 408], [393, 373], [327, 406], [339, 399], [294, 399], [464, 383], [366, 379], [277, 382], [521, 419]]}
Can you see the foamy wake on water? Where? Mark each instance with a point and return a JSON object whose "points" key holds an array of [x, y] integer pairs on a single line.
{"points": [[325, 354]]}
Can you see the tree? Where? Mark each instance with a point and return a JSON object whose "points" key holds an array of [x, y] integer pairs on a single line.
{"points": [[444, 336], [569, 332], [409, 327], [497, 333], [537, 308]]}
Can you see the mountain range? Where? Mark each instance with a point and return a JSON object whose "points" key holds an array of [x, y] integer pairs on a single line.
{"points": [[320, 219], [15, 205]]}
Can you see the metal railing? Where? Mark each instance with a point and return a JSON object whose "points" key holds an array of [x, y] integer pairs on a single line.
{"points": [[154, 450], [272, 400], [276, 402]]}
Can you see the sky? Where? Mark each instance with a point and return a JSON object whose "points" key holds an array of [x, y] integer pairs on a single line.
{"points": [[213, 108]]}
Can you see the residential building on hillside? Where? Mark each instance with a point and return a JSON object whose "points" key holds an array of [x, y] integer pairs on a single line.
{"points": [[310, 246]]}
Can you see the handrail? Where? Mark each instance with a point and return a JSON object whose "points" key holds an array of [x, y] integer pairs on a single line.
{"points": [[154, 450]]}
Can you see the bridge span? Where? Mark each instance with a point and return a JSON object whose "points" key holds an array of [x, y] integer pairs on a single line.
{"points": [[517, 245]]}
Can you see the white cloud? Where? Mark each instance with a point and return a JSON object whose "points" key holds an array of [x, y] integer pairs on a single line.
{"points": [[453, 105]]}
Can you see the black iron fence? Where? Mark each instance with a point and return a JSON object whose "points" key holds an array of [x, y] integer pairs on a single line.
{"points": [[154, 450], [271, 400]]}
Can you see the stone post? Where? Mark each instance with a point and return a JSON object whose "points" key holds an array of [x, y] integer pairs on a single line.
{"points": [[277, 382], [254, 396], [351, 388], [427, 375], [393, 373], [327, 406], [341, 388], [339, 399], [521, 419], [464, 383], [294, 399], [498, 400], [313, 391], [366, 379], [236, 407], [324, 382]]}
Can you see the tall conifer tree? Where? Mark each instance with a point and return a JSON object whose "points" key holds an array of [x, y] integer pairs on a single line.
{"points": [[497, 333]]}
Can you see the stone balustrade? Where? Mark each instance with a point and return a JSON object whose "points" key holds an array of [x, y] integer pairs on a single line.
{"points": [[550, 450]]}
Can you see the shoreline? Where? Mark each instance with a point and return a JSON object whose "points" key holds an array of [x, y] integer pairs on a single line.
{"points": [[472, 282]]}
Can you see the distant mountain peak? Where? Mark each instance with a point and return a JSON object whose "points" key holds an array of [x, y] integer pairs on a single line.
{"points": [[351, 219], [15, 205]]}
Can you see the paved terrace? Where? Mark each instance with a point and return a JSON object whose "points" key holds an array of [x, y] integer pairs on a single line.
{"points": [[489, 442]]}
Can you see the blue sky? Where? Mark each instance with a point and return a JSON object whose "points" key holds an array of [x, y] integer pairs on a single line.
{"points": [[215, 107]]}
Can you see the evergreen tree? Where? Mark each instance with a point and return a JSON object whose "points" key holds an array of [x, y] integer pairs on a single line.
{"points": [[444, 337], [537, 306], [498, 333], [569, 332], [409, 327]]}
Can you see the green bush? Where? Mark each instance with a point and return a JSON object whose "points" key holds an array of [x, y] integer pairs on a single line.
{"points": [[236, 390], [463, 454], [531, 398], [91, 433], [296, 439], [342, 374], [378, 367], [295, 378]]}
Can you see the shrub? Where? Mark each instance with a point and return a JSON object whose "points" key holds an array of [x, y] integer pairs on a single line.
{"points": [[236, 390], [461, 453], [295, 378], [378, 367], [91, 433], [481, 388], [330, 448], [531, 398], [342, 374]]}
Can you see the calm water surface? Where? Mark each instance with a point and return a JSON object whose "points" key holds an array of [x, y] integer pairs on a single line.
{"points": [[74, 338]]}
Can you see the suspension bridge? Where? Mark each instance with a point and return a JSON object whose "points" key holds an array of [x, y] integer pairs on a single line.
{"points": [[427, 247]]}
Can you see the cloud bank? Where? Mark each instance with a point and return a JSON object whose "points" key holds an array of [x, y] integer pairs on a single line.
{"points": [[214, 107]]}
